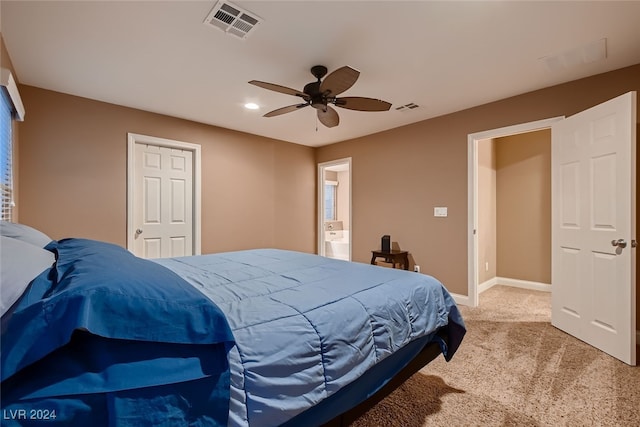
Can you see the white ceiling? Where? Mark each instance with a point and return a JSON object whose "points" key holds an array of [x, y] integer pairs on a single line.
{"points": [[443, 56]]}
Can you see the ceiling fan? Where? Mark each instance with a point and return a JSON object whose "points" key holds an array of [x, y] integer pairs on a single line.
{"points": [[321, 93]]}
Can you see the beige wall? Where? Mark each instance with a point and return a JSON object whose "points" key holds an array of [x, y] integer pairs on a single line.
{"points": [[487, 232], [399, 176], [256, 192], [523, 213], [514, 207]]}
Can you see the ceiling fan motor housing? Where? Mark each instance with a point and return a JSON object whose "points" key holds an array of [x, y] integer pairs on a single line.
{"points": [[316, 98]]}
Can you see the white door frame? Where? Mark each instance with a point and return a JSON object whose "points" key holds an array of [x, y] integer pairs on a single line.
{"points": [[132, 139], [472, 191], [321, 170]]}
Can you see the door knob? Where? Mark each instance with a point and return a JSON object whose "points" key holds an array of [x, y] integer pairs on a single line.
{"points": [[620, 243], [139, 232]]}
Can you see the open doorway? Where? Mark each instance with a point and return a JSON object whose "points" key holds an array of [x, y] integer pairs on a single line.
{"points": [[487, 243], [334, 209]]}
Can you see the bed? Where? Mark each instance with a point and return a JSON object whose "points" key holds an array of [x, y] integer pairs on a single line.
{"points": [[92, 335]]}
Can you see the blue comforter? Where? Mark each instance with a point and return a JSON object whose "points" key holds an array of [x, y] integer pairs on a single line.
{"points": [[105, 338], [305, 326]]}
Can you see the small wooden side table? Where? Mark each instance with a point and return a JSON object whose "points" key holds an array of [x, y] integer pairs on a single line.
{"points": [[393, 257]]}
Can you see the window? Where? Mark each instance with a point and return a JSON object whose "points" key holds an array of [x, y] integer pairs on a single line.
{"points": [[6, 160], [330, 188], [10, 108]]}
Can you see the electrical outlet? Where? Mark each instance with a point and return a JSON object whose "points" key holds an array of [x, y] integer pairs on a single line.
{"points": [[416, 268]]}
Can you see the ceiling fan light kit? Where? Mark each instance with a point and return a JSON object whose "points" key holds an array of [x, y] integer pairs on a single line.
{"points": [[321, 93]]}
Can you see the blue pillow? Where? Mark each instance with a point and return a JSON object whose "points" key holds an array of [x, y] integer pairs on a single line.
{"points": [[105, 290]]}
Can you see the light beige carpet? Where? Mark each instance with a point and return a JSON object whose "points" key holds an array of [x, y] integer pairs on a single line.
{"points": [[515, 369]]}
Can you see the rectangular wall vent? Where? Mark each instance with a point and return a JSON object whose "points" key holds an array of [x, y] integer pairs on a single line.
{"points": [[407, 107], [232, 19], [592, 52]]}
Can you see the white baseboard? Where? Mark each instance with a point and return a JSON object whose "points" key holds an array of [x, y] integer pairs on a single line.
{"points": [[461, 299], [487, 285], [516, 283]]}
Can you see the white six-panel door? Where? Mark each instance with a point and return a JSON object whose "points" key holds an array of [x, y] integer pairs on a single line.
{"points": [[593, 226], [162, 200], [164, 217]]}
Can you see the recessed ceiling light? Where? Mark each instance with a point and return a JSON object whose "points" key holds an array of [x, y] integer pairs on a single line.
{"points": [[251, 106]]}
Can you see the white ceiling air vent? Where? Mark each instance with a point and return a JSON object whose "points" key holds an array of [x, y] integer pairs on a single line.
{"points": [[232, 19]]}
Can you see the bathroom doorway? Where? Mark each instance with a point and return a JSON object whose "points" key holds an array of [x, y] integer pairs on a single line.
{"points": [[334, 209]]}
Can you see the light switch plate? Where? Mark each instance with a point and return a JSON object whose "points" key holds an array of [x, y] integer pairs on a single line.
{"points": [[440, 211]]}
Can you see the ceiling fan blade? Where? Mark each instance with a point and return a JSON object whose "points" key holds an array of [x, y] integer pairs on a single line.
{"points": [[329, 117], [339, 81], [362, 104], [284, 110], [278, 88]]}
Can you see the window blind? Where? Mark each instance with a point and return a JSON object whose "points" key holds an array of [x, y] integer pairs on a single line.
{"points": [[6, 158]]}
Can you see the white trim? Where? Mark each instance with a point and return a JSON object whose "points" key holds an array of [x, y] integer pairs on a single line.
{"points": [[504, 281], [488, 284], [132, 139], [320, 226], [523, 284], [514, 283], [6, 79], [472, 190], [472, 220], [461, 299]]}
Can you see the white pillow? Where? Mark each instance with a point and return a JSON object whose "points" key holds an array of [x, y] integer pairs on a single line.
{"points": [[20, 263], [24, 233]]}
